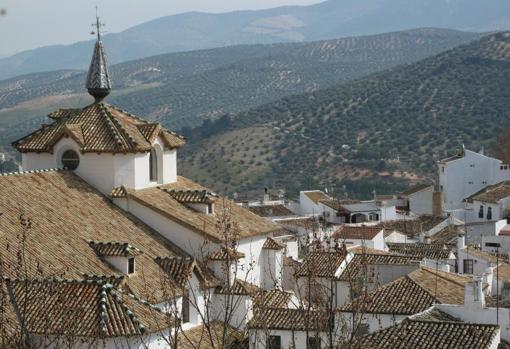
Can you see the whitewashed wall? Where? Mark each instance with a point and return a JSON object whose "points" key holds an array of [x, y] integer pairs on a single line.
{"points": [[289, 339], [420, 203]]}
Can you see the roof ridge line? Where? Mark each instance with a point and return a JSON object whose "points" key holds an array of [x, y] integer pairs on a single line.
{"points": [[118, 139], [56, 169], [121, 128]]}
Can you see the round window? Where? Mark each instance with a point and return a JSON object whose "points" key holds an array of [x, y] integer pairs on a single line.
{"points": [[70, 160]]}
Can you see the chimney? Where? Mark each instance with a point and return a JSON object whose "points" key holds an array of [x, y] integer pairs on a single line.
{"points": [[427, 240], [488, 277], [461, 241], [473, 293], [437, 204], [266, 195]]}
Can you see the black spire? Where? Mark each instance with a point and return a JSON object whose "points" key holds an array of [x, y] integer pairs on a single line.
{"points": [[98, 79]]}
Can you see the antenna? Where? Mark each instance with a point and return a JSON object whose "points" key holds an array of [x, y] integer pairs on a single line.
{"points": [[98, 25]]}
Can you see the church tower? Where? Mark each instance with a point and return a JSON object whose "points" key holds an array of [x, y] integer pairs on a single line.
{"points": [[105, 145]]}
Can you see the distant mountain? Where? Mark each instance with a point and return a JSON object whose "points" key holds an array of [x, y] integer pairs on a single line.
{"points": [[184, 89], [375, 132], [326, 20]]}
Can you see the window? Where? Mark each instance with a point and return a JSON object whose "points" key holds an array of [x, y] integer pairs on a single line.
{"points": [[70, 160], [274, 342], [442, 169], [363, 329], [153, 166], [480, 212], [314, 343], [210, 208], [131, 265], [441, 188], [468, 266], [472, 165], [489, 213], [185, 308]]}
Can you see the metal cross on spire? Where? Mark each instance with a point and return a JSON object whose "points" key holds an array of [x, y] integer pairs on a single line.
{"points": [[98, 25]]}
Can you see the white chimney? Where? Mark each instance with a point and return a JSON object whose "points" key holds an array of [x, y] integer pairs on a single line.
{"points": [[473, 293], [488, 277], [427, 240], [461, 242]]}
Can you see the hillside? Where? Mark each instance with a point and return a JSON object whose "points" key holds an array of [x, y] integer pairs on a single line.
{"points": [[326, 20], [378, 131], [183, 89]]}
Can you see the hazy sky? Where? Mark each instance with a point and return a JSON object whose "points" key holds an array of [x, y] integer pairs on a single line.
{"points": [[33, 23]]}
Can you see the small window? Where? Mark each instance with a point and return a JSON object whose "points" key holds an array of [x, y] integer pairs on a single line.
{"points": [[70, 160], [470, 182], [153, 166], [131, 265], [440, 188], [472, 165], [480, 212], [363, 329], [468, 266], [489, 213], [442, 169], [210, 208], [274, 342], [185, 308], [314, 343]]}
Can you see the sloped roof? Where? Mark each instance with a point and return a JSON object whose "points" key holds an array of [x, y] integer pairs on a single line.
{"points": [[82, 308], [357, 232], [316, 196], [179, 270], [271, 244], [114, 248], [412, 293], [359, 260], [430, 335], [413, 227], [288, 319], [435, 251], [159, 200], [271, 210], [273, 298], [491, 193], [192, 196], [210, 335], [66, 212], [240, 288], [98, 128], [321, 264], [225, 254]]}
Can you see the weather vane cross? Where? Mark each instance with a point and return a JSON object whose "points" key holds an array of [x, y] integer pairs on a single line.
{"points": [[97, 26]]}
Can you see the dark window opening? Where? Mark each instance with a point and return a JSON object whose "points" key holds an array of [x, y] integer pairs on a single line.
{"points": [[153, 166], [489, 213], [363, 329], [210, 209], [274, 342], [480, 212], [70, 160], [314, 343], [468, 266], [131, 265], [185, 309]]}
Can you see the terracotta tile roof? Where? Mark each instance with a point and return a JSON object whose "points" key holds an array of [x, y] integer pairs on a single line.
{"points": [[289, 261], [207, 336], [414, 189], [271, 244], [360, 260], [435, 251], [446, 236], [271, 211], [491, 193], [99, 128], [192, 196], [119, 193], [413, 227], [402, 296], [179, 270], [240, 288], [114, 248], [337, 205], [272, 299], [430, 335], [321, 264], [434, 314], [357, 232], [225, 254], [317, 196], [66, 212], [289, 319], [160, 201], [489, 257], [82, 308], [307, 223], [412, 293]]}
